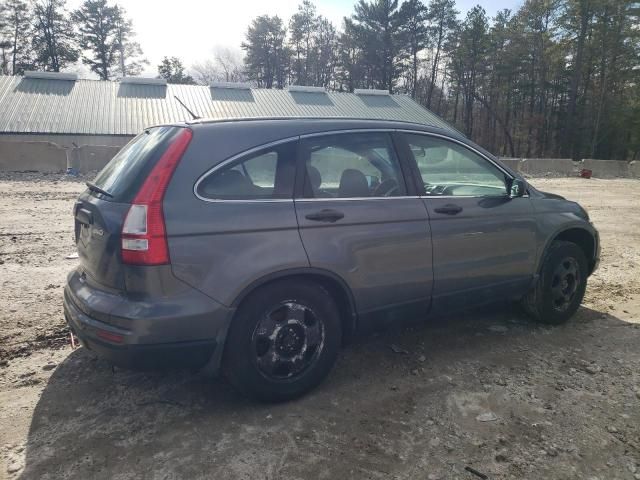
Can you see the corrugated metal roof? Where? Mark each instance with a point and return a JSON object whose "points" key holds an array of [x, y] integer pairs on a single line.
{"points": [[30, 105]]}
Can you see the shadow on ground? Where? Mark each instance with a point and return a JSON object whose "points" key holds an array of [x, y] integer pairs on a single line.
{"points": [[380, 414]]}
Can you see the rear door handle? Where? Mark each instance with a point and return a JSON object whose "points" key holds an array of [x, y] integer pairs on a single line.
{"points": [[449, 209], [325, 215]]}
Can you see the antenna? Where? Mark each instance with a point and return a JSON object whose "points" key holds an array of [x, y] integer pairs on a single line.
{"points": [[193, 115]]}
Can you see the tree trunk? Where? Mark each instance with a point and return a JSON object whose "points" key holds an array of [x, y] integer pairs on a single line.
{"points": [[415, 73], [572, 124], [499, 120], [434, 67], [15, 48]]}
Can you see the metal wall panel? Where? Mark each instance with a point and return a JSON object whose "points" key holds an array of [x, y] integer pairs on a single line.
{"points": [[92, 107]]}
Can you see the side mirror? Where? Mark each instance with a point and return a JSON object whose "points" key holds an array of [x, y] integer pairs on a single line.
{"points": [[517, 188]]}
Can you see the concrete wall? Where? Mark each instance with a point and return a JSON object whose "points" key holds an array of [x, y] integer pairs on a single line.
{"points": [[537, 167], [86, 158], [68, 140], [607, 168], [33, 152], [549, 166], [512, 163], [40, 156], [43, 156]]}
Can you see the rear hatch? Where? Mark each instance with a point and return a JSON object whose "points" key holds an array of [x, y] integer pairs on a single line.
{"points": [[101, 210]]}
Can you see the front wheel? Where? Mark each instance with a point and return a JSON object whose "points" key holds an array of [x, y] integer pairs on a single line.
{"points": [[283, 341], [561, 285]]}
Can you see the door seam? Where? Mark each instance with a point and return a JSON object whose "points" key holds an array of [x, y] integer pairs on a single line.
{"points": [[295, 209]]}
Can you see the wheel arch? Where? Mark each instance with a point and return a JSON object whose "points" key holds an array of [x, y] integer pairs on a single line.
{"points": [[581, 236], [333, 283]]}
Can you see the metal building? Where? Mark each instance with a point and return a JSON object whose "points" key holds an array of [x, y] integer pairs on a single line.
{"points": [[79, 117]]}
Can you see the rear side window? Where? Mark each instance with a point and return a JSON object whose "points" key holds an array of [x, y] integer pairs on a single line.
{"points": [[263, 175], [124, 174]]}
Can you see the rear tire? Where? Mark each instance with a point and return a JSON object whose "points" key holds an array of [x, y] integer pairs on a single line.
{"points": [[283, 341], [561, 285]]}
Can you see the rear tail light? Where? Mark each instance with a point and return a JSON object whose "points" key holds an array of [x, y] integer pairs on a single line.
{"points": [[144, 236]]}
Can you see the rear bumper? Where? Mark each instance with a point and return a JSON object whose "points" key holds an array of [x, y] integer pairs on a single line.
{"points": [[186, 330]]}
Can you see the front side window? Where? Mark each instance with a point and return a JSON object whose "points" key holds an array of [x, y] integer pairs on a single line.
{"points": [[267, 174], [349, 165], [449, 169]]}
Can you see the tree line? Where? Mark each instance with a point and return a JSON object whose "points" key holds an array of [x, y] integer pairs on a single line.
{"points": [[44, 35], [556, 78]]}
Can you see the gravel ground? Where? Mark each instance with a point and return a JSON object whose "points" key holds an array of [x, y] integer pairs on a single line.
{"points": [[486, 390]]}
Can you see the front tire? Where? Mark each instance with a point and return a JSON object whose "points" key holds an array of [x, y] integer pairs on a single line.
{"points": [[283, 340], [561, 285]]}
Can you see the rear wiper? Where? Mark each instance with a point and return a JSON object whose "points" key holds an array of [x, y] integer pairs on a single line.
{"points": [[96, 188]]}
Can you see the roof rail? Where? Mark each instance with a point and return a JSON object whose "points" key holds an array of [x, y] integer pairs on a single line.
{"points": [[307, 89], [370, 91], [231, 85], [143, 80], [51, 75]]}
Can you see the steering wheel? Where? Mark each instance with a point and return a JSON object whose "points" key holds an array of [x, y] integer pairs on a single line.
{"points": [[386, 188], [434, 189]]}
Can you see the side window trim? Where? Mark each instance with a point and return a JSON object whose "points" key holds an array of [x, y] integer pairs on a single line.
{"points": [[411, 186], [301, 170], [417, 177], [239, 157], [403, 151]]}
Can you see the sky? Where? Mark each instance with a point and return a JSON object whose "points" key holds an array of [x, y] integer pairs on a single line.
{"points": [[191, 29]]}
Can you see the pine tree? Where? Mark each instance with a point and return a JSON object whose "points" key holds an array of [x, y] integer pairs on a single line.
{"points": [[376, 26], [473, 49], [414, 36], [17, 31], [129, 54], [302, 28], [96, 22], [325, 53], [53, 41], [441, 16], [173, 71], [349, 71], [267, 56]]}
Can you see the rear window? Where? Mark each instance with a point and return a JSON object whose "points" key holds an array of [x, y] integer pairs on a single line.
{"points": [[124, 174]]}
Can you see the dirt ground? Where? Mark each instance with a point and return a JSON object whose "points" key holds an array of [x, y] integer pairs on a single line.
{"points": [[486, 390]]}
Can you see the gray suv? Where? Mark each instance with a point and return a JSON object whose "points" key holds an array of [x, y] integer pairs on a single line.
{"points": [[257, 247]]}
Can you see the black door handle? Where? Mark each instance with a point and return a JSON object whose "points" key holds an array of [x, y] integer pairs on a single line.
{"points": [[325, 215], [449, 209]]}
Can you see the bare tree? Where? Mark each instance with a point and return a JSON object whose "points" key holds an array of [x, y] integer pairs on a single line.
{"points": [[206, 72], [230, 63], [226, 66]]}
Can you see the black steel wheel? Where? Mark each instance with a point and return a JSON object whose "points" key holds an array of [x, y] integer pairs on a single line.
{"points": [[564, 283], [283, 340], [561, 285], [287, 340]]}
